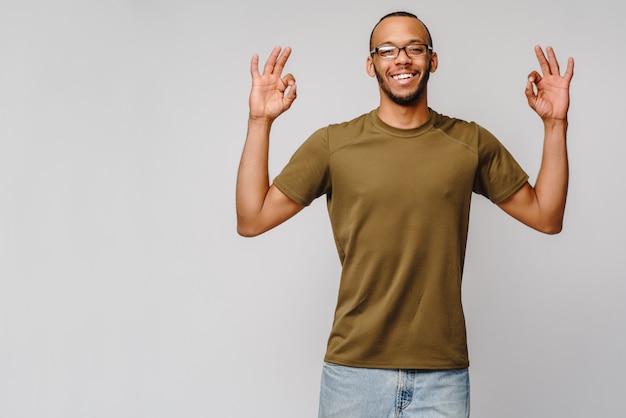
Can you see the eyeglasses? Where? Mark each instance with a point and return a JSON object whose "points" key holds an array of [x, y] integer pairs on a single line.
{"points": [[391, 51]]}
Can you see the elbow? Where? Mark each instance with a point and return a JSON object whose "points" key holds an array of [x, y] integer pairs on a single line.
{"points": [[247, 232], [552, 231], [551, 228], [248, 229]]}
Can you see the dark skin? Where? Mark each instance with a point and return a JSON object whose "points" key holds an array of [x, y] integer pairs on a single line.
{"points": [[261, 206]]}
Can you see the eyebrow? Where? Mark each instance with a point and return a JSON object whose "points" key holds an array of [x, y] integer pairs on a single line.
{"points": [[412, 41]]}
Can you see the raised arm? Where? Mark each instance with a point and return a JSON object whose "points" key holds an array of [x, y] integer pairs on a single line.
{"points": [[260, 206], [542, 207]]}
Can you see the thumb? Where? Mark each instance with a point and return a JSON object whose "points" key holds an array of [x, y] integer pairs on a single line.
{"points": [[533, 79], [291, 92]]}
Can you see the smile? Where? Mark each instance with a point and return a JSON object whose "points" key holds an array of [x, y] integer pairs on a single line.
{"points": [[402, 76]]}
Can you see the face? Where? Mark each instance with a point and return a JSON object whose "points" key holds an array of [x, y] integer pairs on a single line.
{"points": [[402, 79]]}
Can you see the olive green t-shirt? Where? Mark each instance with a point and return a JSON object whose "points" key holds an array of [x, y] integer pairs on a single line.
{"points": [[399, 203]]}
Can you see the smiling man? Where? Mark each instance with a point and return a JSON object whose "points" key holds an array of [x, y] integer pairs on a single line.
{"points": [[414, 79], [398, 183]]}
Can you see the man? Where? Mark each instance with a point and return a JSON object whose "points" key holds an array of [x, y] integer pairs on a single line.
{"points": [[398, 183]]}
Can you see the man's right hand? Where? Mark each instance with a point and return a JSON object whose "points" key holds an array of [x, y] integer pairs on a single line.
{"points": [[271, 93]]}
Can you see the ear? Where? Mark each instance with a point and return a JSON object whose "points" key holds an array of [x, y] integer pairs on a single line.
{"points": [[434, 62], [369, 66]]}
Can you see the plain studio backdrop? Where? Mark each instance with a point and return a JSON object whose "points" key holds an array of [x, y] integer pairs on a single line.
{"points": [[124, 288]]}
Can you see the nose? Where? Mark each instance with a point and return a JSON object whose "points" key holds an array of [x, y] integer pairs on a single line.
{"points": [[403, 56]]}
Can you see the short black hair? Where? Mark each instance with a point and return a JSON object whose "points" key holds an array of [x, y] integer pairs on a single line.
{"points": [[401, 14]]}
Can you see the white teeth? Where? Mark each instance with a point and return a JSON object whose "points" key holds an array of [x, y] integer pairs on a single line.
{"points": [[402, 76]]}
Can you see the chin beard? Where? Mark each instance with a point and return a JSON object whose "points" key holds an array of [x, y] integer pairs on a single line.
{"points": [[408, 99]]}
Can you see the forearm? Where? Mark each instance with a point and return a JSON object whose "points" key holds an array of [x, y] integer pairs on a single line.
{"points": [[253, 176], [552, 179], [542, 207]]}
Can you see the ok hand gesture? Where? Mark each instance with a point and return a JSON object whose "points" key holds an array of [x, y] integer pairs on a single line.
{"points": [[548, 95], [271, 93]]}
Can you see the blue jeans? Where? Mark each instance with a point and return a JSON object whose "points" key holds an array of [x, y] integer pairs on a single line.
{"points": [[349, 392]]}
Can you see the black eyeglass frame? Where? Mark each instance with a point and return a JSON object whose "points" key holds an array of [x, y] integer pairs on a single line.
{"points": [[390, 48]]}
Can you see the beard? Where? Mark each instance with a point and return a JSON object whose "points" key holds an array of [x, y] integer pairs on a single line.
{"points": [[408, 99]]}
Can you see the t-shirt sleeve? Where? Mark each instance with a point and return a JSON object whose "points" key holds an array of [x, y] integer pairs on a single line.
{"points": [[307, 176], [498, 175]]}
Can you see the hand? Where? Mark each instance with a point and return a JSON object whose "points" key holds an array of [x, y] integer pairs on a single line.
{"points": [[548, 95], [271, 93]]}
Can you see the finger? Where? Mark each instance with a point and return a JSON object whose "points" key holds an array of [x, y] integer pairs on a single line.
{"points": [[531, 82], [282, 60], [543, 62], [290, 86], [552, 61], [530, 91], [271, 61], [289, 80], [569, 71], [291, 93], [534, 77], [254, 66]]}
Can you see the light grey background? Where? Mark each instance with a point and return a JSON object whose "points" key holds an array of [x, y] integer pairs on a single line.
{"points": [[124, 289]]}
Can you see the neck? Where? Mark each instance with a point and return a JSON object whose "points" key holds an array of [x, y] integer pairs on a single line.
{"points": [[403, 117]]}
